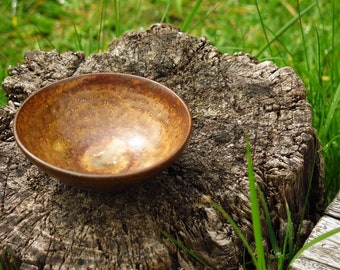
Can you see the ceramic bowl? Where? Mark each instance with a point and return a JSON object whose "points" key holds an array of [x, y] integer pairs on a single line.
{"points": [[104, 131]]}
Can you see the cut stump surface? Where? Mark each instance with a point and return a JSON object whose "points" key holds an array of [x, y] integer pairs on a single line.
{"points": [[47, 225]]}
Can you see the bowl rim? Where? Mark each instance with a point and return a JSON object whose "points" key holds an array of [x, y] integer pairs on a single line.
{"points": [[168, 159]]}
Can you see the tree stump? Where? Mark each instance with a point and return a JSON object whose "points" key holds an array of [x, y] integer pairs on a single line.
{"points": [[48, 225]]}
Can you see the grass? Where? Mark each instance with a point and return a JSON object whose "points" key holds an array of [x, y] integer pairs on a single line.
{"points": [[283, 255], [260, 263], [185, 249], [300, 34]]}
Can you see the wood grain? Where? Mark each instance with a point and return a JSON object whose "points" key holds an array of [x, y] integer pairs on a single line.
{"points": [[45, 224], [324, 255]]}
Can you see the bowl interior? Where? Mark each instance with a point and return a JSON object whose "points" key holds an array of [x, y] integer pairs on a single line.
{"points": [[103, 124]]}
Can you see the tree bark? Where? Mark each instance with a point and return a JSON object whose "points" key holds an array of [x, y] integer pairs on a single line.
{"points": [[48, 225]]}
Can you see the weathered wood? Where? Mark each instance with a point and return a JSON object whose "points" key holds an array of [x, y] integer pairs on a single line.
{"points": [[45, 224], [333, 210], [324, 255]]}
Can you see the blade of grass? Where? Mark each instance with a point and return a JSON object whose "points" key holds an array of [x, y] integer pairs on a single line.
{"points": [[279, 254], [8, 261], [302, 35], [117, 17], [203, 18], [185, 249], [100, 33], [326, 147], [284, 29], [78, 38], [334, 105], [272, 235], [334, 57], [255, 210], [313, 80], [3, 99], [187, 22], [235, 228], [90, 46], [179, 6], [14, 6], [280, 52], [289, 234], [315, 241], [42, 34], [166, 11], [306, 202], [262, 25]]}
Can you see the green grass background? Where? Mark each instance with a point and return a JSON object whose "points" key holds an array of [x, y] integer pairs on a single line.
{"points": [[300, 34]]}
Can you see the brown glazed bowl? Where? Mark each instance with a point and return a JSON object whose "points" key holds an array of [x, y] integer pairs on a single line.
{"points": [[104, 131]]}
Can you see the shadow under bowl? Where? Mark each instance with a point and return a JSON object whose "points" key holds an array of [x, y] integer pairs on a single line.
{"points": [[104, 131]]}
